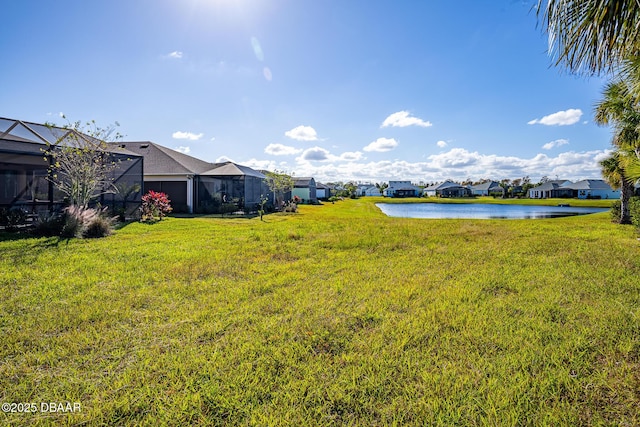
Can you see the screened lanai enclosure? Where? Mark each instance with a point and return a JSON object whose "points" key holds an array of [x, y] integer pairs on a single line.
{"points": [[230, 187], [25, 181]]}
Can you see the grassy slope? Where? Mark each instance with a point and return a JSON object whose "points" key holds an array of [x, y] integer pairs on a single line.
{"points": [[337, 315]]}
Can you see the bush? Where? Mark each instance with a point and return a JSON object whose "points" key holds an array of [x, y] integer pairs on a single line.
{"points": [[12, 219], [48, 225], [76, 219], [99, 226], [154, 205], [634, 210], [615, 211]]}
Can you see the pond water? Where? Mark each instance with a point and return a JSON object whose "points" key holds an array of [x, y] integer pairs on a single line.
{"points": [[480, 210]]}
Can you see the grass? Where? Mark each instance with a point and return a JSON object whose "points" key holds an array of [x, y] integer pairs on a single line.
{"points": [[336, 315]]}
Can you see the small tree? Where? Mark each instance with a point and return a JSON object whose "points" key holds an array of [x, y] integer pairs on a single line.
{"points": [[80, 165], [155, 205], [279, 183]]}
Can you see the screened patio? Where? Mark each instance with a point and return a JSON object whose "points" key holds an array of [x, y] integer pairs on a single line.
{"points": [[24, 166]]}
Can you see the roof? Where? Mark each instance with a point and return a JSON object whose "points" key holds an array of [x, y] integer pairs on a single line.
{"points": [[303, 181], [589, 184], [26, 137], [159, 160], [486, 185], [551, 185], [232, 169], [442, 186]]}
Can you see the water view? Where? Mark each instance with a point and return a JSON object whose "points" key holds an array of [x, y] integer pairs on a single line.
{"points": [[480, 211]]}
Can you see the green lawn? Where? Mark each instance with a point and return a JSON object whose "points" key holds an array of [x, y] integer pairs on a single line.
{"points": [[336, 315]]}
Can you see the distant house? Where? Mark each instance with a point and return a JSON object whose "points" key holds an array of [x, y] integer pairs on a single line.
{"points": [[447, 189], [194, 185], [486, 188], [364, 190], [592, 189], [24, 169], [305, 189], [551, 189], [323, 192], [401, 189]]}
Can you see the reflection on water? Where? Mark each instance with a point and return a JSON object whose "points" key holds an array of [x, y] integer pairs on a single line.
{"points": [[481, 211]]}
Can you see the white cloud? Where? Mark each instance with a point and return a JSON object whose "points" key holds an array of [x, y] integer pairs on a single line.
{"points": [[457, 164], [302, 133], [187, 135], [223, 159], [403, 119], [176, 54], [441, 144], [561, 118], [281, 150], [350, 156], [556, 143], [185, 150], [382, 145], [317, 154]]}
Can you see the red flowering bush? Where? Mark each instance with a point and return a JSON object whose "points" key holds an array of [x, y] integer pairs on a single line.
{"points": [[154, 205]]}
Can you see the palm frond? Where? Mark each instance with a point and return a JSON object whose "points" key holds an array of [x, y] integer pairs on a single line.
{"points": [[591, 36]]}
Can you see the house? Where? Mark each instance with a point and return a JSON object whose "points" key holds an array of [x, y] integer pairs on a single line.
{"points": [[194, 185], [447, 189], [24, 169], [551, 189], [364, 190], [486, 188], [323, 192], [401, 189], [305, 189], [592, 189]]}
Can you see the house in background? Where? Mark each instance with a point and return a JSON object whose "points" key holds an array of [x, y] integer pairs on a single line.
{"points": [[196, 186], [486, 188], [24, 182], [592, 189], [323, 192], [447, 189], [364, 190], [305, 189], [551, 189], [585, 189], [401, 189]]}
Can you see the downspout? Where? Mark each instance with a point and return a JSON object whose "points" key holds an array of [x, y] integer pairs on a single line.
{"points": [[190, 193]]}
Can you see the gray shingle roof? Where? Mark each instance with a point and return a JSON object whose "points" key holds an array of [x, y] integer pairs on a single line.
{"points": [[159, 160], [588, 184], [232, 169]]}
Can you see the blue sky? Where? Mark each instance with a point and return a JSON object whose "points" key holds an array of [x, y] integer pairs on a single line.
{"points": [[335, 89]]}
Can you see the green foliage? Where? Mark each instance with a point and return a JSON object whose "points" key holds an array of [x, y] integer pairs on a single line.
{"points": [[634, 211], [279, 183], [12, 219], [336, 316]]}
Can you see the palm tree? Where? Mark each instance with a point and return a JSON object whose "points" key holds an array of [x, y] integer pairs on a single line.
{"points": [[613, 172], [591, 36], [621, 109]]}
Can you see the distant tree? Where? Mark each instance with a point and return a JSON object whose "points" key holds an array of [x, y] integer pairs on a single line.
{"points": [[381, 186], [350, 190], [81, 166]]}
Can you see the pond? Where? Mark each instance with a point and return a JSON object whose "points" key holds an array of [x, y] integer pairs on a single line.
{"points": [[481, 210]]}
